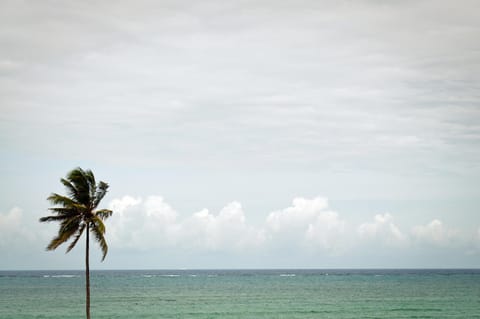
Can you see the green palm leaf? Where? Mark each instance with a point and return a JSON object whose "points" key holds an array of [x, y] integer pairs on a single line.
{"points": [[57, 218], [64, 201], [98, 230], [68, 227], [77, 237], [71, 190]]}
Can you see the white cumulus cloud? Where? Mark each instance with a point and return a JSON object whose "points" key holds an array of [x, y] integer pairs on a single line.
{"points": [[13, 230], [383, 229], [307, 228], [307, 223], [152, 222], [298, 216], [142, 224], [226, 231], [436, 233], [328, 233]]}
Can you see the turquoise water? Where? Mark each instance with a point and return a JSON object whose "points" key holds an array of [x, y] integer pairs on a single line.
{"points": [[243, 294]]}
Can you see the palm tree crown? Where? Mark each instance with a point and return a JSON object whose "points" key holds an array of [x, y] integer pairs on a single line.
{"points": [[78, 211]]}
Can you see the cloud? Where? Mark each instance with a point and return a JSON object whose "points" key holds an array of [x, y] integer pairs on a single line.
{"points": [[226, 231], [328, 233], [307, 223], [153, 223], [296, 217], [436, 233], [13, 231], [142, 224], [383, 230], [306, 96], [307, 228], [9, 66]]}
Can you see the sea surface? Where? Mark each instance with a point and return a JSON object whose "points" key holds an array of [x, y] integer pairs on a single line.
{"points": [[229, 294]]}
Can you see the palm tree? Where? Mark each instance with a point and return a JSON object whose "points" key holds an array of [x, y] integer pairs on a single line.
{"points": [[77, 213]]}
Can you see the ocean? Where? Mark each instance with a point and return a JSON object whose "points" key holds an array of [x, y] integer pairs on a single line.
{"points": [[240, 294]]}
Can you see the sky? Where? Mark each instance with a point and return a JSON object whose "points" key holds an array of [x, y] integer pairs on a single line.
{"points": [[245, 134]]}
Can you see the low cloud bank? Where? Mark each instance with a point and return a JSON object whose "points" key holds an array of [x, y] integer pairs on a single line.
{"points": [[307, 225], [153, 223]]}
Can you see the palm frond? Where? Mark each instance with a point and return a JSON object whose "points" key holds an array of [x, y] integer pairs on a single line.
{"points": [[98, 224], [79, 179], [61, 200], [68, 227], [53, 218], [100, 193], [71, 223], [77, 237], [92, 186], [71, 190], [66, 211], [98, 230], [103, 214]]}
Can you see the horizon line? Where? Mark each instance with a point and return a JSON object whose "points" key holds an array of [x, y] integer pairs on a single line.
{"points": [[239, 269]]}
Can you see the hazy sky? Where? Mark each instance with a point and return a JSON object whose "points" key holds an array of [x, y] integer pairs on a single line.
{"points": [[245, 134]]}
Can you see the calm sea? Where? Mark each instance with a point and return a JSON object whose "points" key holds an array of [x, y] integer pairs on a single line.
{"points": [[242, 294]]}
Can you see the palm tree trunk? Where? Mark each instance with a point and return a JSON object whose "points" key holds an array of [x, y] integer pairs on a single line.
{"points": [[87, 274]]}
